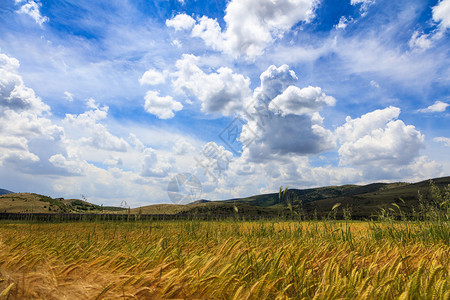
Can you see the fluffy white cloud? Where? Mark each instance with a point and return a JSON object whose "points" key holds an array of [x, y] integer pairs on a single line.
{"points": [[300, 101], [68, 96], [152, 77], [444, 140], [251, 25], [284, 119], [23, 119], [32, 8], [420, 41], [93, 133], [377, 139], [162, 107], [441, 13], [181, 22], [14, 94], [221, 92], [438, 106], [73, 167], [151, 166], [209, 30]]}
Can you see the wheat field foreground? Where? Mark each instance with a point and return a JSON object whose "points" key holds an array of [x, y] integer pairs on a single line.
{"points": [[225, 260]]}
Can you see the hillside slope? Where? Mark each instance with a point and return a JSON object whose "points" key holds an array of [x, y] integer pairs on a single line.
{"points": [[34, 203], [4, 192]]}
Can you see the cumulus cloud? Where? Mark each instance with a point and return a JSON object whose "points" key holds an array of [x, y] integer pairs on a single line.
{"points": [[300, 101], [378, 139], [438, 106], [32, 8], [152, 77], [95, 134], [151, 166], [250, 25], [23, 118], [14, 94], [113, 161], [420, 41], [73, 167], [284, 119], [220, 92], [441, 13], [181, 22], [441, 16], [162, 107]]}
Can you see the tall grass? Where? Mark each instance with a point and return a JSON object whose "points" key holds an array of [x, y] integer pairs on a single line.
{"points": [[222, 260], [232, 259]]}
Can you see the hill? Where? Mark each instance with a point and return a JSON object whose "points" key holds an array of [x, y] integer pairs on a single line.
{"points": [[4, 192], [34, 203], [359, 201]]}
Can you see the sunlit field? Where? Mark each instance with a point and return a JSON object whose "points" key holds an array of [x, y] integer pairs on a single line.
{"points": [[227, 259]]}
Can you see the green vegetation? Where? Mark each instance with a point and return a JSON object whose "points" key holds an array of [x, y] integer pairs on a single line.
{"points": [[393, 200], [34, 203]]}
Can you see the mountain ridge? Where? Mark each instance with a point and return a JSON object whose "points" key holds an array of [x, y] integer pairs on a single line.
{"points": [[362, 201]]}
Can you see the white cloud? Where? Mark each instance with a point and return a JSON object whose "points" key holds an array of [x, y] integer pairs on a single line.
{"points": [[68, 96], [113, 161], [211, 33], [375, 84], [151, 166], [300, 101], [221, 92], [365, 4], [152, 77], [73, 167], [284, 119], [438, 106], [250, 25], [343, 22], [14, 95], [22, 119], [441, 13], [181, 22], [162, 107], [94, 134], [420, 41], [32, 8], [377, 139], [444, 140]]}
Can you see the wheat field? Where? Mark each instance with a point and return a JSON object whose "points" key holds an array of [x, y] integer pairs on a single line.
{"points": [[225, 260]]}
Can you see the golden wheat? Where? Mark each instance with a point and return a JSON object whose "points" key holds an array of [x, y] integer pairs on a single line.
{"points": [[223, 260]]}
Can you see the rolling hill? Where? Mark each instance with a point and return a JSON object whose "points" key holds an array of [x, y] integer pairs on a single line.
{"points": [[34, 203], [4, 192], [361, 201]]}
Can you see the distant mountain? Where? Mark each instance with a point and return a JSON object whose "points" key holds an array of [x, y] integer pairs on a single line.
{"points": [[4, 192]]}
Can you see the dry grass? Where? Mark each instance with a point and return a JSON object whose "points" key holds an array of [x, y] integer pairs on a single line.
{"points": [[223, 260]]}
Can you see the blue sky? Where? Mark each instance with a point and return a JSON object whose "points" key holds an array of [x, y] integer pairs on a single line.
{"points": [[113, 99]]}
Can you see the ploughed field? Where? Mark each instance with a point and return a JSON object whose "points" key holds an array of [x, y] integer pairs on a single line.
{"points": [[226, 259]]}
